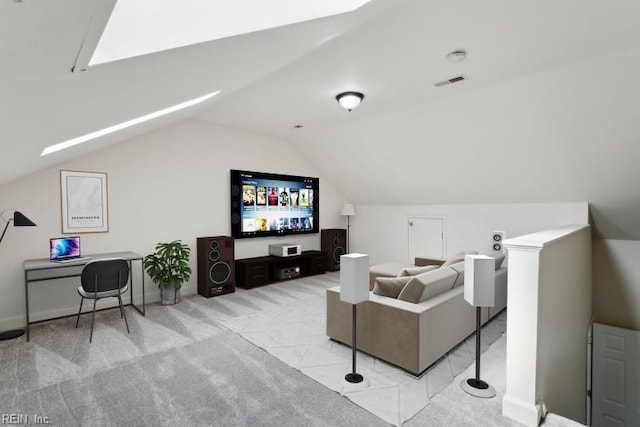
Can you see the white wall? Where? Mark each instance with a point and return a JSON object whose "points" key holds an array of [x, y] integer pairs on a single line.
{"points": [[616, 283], [381, 231], [549, 302], [565, 134], [166, 185]]}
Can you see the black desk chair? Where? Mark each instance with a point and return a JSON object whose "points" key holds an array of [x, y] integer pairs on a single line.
{"points": [[103, 279]]}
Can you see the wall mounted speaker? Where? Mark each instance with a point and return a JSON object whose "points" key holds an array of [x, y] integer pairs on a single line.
{"points": [[333, 241], [216, 266], [496, 240]]}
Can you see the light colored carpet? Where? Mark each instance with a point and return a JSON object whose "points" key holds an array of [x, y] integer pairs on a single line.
{"points": [[454, 407], [177, 367], [294, 332], [181, 365]]}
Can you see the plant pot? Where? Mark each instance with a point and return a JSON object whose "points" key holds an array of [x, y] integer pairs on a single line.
{"points": [[169, 296]]}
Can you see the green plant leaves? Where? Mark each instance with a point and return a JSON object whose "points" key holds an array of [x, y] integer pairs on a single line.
{"points": [[169, 264]]}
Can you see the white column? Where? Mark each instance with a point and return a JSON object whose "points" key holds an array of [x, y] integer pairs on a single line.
{"points": [[520, 401], [549, 310]]}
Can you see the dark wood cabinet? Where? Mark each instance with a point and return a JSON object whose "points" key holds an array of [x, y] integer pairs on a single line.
{"points": [[259, 271], [252, 272], [317, 264]]}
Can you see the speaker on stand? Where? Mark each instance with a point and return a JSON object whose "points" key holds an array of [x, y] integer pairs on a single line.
{"points": [[216, 266], [333, 241], [479, 291]]}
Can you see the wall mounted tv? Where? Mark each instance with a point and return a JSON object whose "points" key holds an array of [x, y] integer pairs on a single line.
{"points": [[269, 204]]}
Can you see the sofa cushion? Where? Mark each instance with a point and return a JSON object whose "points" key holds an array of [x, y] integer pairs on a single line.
{"points": [[424, 286], [458, 267], [390, 286], [453, 260], [463, 254], [414, 271], [421, 261], [390, 269]]}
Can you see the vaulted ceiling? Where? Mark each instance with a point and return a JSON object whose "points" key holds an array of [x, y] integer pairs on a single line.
{"points": [[548, 111]]}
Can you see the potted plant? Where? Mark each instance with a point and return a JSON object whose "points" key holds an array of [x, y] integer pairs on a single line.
{"points": [[169, 267]]}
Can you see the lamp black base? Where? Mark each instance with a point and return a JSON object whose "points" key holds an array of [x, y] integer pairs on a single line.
{"points": [[477, 384], [10, 335], [478, 388], [354, 378]]}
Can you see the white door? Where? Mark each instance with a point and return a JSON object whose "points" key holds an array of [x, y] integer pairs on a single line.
{"points": [[426, 238], [615, 387]]}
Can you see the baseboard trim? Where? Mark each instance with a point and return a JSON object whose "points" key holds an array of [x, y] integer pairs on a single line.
{"points": [[522, 412]]}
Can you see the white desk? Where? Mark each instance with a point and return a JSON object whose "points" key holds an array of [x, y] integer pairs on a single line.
{"points": [[37, 270]]}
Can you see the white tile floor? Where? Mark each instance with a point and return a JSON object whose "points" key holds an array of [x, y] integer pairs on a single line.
{"points": [[295, 334]]}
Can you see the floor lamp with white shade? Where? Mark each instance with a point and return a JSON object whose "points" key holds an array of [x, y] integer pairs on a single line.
{"points": [[348, 210], [479, 291], [19, 220]]}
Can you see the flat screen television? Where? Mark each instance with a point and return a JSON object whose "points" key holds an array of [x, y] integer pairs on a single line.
{"points": [[270, 204]]}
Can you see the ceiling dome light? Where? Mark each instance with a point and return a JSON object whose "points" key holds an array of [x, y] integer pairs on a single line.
{"points": [[349, 100], [456, 56]]}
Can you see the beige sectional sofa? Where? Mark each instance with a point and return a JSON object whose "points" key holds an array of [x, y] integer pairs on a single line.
{"points": [[412, 335]]}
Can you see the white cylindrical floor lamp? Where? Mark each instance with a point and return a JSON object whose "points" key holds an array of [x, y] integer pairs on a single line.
{"points": [[354, 289], [479, 291], [348, 210]]}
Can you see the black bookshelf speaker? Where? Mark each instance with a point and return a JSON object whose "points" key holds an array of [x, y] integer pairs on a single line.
{"points": [[216, 266], [496, 240], [333, 241]]}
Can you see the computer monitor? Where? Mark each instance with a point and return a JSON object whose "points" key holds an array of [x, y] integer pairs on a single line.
{"points": [[61, 248]]}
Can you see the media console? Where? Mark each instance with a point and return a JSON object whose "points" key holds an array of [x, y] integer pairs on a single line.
{"points": [[259, 271]]}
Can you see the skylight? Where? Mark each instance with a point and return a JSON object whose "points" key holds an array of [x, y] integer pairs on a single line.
{"points": [[138, 27], [115, 128]]}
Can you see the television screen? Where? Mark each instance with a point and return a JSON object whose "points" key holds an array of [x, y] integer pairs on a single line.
{"points": [[269, 204]]}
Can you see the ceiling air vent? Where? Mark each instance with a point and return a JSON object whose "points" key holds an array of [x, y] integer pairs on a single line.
{"points": [[451, 80]]}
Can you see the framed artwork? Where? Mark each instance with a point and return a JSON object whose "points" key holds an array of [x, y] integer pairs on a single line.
{"points": [[84, 202]]}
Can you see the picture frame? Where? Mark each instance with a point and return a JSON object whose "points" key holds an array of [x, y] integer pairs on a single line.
{"points": [[84, 202]]}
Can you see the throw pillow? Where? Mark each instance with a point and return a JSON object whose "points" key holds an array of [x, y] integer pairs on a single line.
{"points": [[458, 267], [414, 271], [426, 285], [390, 286], [411, 292]]}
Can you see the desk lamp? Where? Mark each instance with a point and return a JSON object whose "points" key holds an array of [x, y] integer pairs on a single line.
{"points": [[19, 220]]}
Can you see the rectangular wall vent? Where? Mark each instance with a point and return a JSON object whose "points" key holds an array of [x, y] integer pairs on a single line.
{"points": [[451, 80]]}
